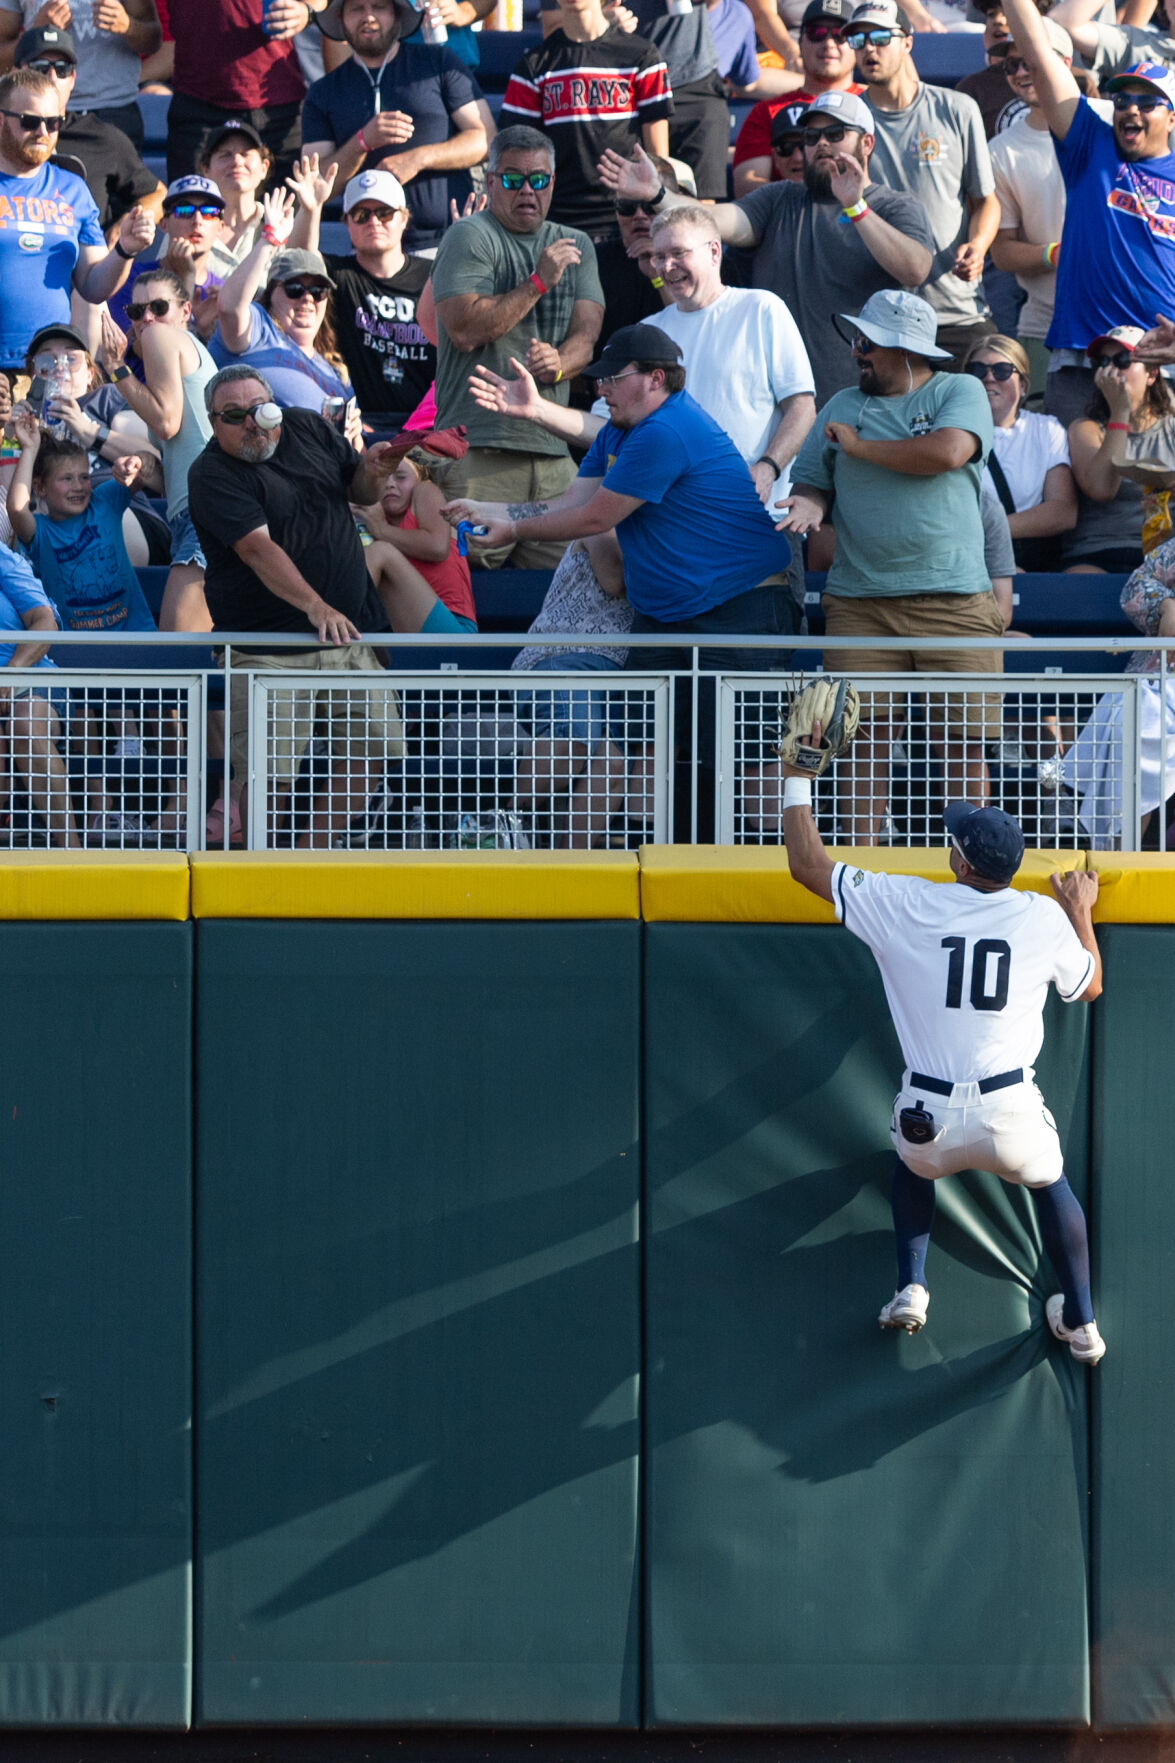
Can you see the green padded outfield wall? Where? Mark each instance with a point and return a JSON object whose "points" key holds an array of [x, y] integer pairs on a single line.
{"points": [[418, 1292], [95, 1309], [844, 1526], [1134, 1398]]}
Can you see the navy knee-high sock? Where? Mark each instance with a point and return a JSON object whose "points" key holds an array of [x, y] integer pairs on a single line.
{"points": [[1066, 1242], [913, 1215]]}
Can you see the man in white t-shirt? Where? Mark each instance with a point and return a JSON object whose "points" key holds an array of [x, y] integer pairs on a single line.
{"points": [[966, 967]]}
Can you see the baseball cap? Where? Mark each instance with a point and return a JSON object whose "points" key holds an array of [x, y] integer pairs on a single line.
{"points": [[847, 108], [291, 263], [216, 138], [788, 120], [374, 186], [835, 10], [886, 13], [1058, 36], [990, 840], [1127, 336], [48, 331], [895, 319], [45, 41], [330, 20], [191, 189], [1153, 73], [634, 342]]}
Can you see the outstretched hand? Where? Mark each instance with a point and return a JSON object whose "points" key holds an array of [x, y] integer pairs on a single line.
{"points": [[518, 397], [633, 180], [1157, 347]]}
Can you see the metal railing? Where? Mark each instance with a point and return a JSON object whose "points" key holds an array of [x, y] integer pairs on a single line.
{"points": [[436, 755]]}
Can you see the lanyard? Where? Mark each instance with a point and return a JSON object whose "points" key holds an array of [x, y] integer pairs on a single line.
{"points": [[375, 78]]}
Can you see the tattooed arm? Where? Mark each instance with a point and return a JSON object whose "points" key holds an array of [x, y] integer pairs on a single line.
{"points": [[490, 513]]}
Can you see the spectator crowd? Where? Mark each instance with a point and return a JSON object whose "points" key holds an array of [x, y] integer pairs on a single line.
{"points": [[365, 334]]}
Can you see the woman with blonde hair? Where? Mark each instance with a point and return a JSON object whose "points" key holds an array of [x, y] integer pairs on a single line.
{"points": [[1029, 461]]}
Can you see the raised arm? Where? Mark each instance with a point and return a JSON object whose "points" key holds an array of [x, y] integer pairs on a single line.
{"points": [[312, 182], [1077, 17], [519, 398], [1056, 89], [807, 860], [20, 490], [249, 277], [1076, 892], [637, 180], [901, 257], [98, 273]]}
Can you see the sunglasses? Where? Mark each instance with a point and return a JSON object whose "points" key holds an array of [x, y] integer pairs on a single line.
{"points": [[820, 33], [1143, 102], [876, 38], [234, 417], [999, 370], [137, 309], [1122, 360], [60, 69], [514, 180], [813, 137], [628, 209], [33, 124], [787, 144], [361, 216], [862, 345], [316, 290], [1014, 64], [185, 210]]}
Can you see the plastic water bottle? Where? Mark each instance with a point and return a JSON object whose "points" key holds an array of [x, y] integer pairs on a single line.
{"points": [[433, 29], [57, 385]]}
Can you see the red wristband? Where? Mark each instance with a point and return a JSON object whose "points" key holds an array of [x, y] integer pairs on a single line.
{"points": [[362, 139], [539, 284], [1124, 426], [270, 237]]}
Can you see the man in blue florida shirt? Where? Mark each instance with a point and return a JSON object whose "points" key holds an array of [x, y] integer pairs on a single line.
{"points": [[697, 551], [1116, 262]]}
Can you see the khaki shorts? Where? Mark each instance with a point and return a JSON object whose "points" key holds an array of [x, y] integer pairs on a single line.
{"points": [[499, 474], [920, 615], [362, 724]]}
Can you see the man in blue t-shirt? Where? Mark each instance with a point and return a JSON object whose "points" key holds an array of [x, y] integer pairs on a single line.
{"points": [[409, 107], [1116, 262], [50, 237]]}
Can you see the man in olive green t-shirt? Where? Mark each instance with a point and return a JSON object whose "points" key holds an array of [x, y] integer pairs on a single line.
{"points": [[510, 283]]}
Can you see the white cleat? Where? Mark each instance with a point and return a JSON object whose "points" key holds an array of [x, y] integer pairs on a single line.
{"points": [[1084, 1342], [906, 1309]]}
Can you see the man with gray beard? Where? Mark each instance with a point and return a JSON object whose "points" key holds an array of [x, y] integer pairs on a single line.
{"points": [[835, 237], [269, 497]]}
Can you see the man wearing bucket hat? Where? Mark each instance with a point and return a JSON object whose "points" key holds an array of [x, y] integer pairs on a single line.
{"points": [[830, 242], [903, 455], [409, 107], [967, 968], [1116, 260]]}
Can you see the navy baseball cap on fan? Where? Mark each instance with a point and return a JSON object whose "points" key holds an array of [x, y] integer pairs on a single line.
{"points": [[990, 840], [788, 122], [44, 41], [634, 342]]}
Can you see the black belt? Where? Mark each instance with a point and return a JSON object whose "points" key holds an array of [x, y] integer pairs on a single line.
{"points": [[939, 1087]]}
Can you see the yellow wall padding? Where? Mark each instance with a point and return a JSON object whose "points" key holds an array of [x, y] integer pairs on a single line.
{"points": [[750, 884], [1136, 887], [94, 884], [416, 884]]}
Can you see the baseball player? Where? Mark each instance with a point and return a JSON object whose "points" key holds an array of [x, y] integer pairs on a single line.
{"points": [[966, 968]]}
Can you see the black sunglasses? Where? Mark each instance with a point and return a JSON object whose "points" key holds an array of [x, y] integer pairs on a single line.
{"points": [[628, 209], [838, 131], [1122, 360], [137, 309], [788, 143], [820, 33], [34, 124], [235, 417], [999, 370], [862, 345], [316, 290], [1144, 102], [185, 210], [62, 69]]}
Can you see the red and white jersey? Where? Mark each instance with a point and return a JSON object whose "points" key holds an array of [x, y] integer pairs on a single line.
{"points": [[966, 974]]}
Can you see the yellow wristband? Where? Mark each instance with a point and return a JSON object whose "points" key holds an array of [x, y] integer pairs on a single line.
{"points": [[558, 376]]}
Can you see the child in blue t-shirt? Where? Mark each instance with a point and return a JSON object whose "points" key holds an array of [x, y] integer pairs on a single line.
{"points": [[76, 546]]}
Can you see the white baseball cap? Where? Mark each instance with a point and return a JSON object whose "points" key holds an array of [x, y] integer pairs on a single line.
{"points": [[374, 186]]}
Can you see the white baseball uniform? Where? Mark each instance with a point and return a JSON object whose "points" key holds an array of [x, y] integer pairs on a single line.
{"points": [[966, 975]]}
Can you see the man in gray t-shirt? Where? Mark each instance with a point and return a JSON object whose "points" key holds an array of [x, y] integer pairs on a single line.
{"points": [[1108, 48], [109, 36], [823, 245], [510, 283], [931, 143]]}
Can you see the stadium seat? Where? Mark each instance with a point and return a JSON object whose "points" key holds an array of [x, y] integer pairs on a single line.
{"points": [[509, 599], [500, 53], [945, 60], [153, 108]]}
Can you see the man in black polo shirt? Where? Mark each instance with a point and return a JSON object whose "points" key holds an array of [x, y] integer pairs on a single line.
{"points": [[270, 498]]}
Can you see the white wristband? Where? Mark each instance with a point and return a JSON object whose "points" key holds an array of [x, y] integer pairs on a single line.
{"points": [[797, 792]]}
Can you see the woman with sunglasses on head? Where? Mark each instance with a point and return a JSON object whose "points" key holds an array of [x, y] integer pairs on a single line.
{"points": [[275, 315], [1123, 456], [1029, 461]]}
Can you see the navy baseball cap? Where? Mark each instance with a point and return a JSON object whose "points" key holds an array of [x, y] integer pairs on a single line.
{"points": [[44, 41], [634, 342], [990, 840]]}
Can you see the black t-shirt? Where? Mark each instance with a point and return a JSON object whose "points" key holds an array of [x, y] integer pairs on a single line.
{"points": [[629, 297], [586, 97], [115, 175], [391, 361], [301, 496]]}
